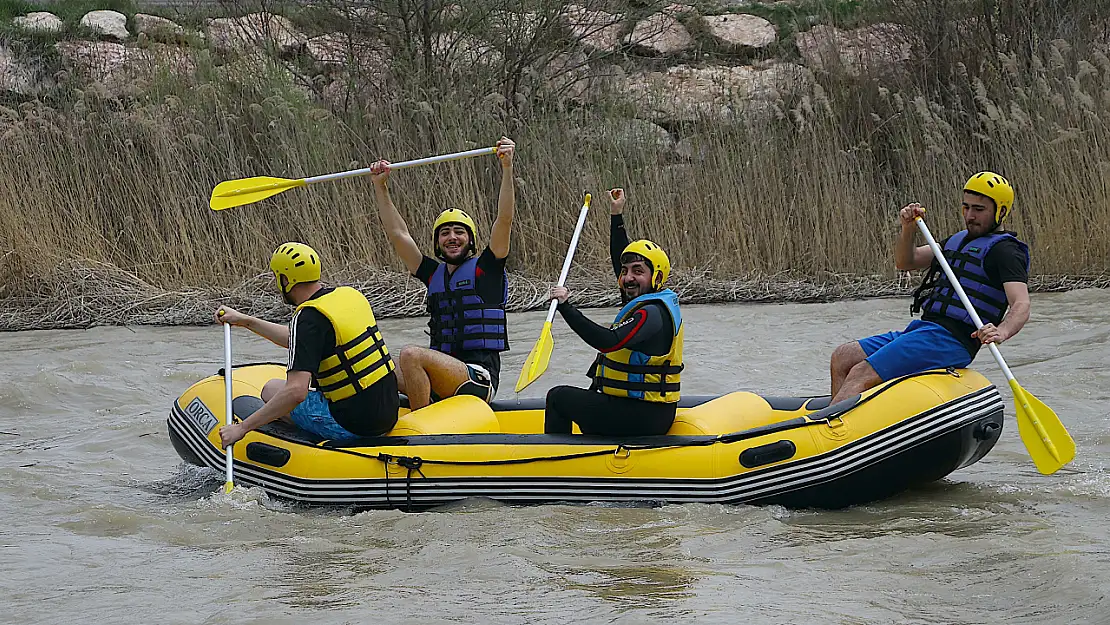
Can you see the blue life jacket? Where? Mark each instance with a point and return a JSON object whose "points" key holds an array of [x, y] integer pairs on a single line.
{"points": [[966, 256], [460, 319]]}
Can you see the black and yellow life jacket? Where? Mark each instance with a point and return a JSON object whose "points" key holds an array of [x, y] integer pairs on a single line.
{"points": [[360, 357], [628, 373]]}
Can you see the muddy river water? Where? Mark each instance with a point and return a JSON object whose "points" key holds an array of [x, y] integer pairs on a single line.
{"points": [[100, 522]]}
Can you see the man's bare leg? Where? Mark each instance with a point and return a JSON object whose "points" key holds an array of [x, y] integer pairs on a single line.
{"points": [[272, 388], [860, 378], [400, 375], [843, 359], [426, 370]]}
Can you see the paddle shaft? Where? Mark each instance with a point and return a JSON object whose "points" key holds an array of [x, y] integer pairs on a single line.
{"points": [[938, 253], [404, 164], [228, 461], [570, 256]]}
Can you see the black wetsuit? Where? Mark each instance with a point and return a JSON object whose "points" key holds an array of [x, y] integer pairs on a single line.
{"points": [[648, 330]]}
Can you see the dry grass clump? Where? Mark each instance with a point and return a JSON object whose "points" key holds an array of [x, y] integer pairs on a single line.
{"points": [[82, 293]]}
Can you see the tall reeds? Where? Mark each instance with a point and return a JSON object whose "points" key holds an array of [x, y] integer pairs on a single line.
{"points": [[812, 192]]}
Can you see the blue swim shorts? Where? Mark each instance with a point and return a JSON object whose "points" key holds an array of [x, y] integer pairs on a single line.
{"points": [[921, 346], [313, 415]]}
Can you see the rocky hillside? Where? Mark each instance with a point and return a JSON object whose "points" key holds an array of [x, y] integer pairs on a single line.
{"points": [[665, 66]]}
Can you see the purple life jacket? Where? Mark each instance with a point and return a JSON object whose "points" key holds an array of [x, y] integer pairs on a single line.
{"points": [[966, 259], [460, 320]]}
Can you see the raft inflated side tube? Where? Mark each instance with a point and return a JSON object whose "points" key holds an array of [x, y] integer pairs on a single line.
{"points": [[737, 448]]}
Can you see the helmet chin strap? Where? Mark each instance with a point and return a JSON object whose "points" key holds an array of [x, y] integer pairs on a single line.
{"points": [[285, 289]]}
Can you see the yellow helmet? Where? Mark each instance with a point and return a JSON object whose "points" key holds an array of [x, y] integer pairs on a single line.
{"points": [[297, 263], [655, 256], [996, 188], [453, 216]]}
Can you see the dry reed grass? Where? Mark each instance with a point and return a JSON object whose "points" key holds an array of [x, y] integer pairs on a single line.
{"points": [[104, 218]]}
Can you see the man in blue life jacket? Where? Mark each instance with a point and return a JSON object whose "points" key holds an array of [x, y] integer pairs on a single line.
{"points": [[637, 371], [466, 294], [992, 266], [339, 382]]}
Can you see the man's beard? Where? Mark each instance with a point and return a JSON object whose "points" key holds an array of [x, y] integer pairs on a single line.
{"points": [[625, 297]]}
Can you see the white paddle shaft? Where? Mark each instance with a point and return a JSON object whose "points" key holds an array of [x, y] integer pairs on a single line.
{"points": [[570, 256], [404, 164], [938, 253], [228, 468]]}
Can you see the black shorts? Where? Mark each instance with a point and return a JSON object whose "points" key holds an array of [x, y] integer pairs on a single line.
{"points": [[371, 412], [480, 383]]}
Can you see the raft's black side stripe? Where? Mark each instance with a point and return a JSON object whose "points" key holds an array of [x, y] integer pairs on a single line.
{"points": [[757, 484], [220, 371]]}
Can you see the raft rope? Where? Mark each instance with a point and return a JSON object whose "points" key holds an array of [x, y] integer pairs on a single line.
{"points": [[410, 463]]}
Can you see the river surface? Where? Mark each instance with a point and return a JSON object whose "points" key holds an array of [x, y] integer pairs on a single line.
{"points": [[100, 522]]}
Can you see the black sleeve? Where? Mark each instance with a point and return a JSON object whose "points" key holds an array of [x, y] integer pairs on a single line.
{"points": [[618, 240], [646, 329], [426, 270], [1006, 263], [490, 277], [310, 337]]}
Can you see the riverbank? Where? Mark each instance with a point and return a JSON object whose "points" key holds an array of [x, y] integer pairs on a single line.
{"points": [[83, 294]]}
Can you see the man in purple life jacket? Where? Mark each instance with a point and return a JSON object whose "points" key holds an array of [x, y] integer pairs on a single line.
{"points": [[992, 266], [466, 294]]}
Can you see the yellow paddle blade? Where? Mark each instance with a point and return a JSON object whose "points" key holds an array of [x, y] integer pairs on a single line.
{"points": [[228, 486], [1049, 444], [537, 360], [249, 190]]}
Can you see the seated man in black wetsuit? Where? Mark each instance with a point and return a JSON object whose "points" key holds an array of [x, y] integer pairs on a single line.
{"points": [[637, 371]]}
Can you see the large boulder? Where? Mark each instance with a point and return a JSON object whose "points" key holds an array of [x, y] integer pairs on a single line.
{"points": [[741, 30], [717, 93], [330, 51], [122, 71], [39, 22], [595, 29], [109, 24], [158, 28], [339, 51], [15, 77], [256, 30], [877, 48], [660, 34]]}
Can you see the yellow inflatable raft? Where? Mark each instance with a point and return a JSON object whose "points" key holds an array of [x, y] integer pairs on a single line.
{"points": [[736, 448]]}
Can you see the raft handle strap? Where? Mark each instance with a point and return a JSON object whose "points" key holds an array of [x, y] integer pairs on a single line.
{"points": [[411, 463]]}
